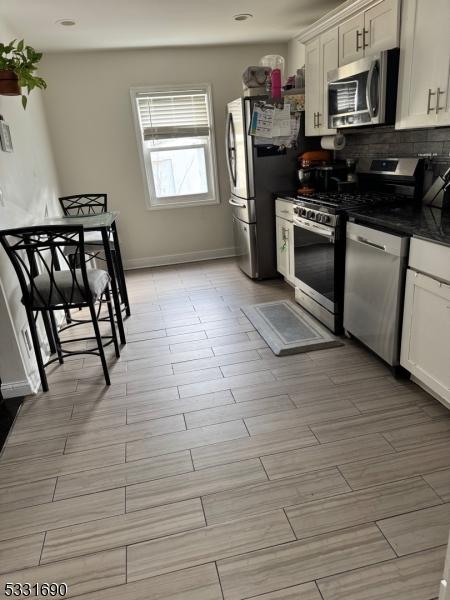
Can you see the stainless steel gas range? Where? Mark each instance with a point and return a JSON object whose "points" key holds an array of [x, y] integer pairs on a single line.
{"points": [[319, 232]]}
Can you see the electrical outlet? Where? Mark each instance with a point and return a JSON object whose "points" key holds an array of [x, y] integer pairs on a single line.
{"points": [[27, 338]]}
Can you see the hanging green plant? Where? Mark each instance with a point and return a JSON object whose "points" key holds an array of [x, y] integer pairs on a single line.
{"points": [[18, 64]]}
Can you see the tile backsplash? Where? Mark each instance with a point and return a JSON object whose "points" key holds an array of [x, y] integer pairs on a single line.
{"points": [[388, 142]]}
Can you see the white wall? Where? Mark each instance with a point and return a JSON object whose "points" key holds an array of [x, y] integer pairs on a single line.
{"points": [[295, 56], [90, 118], [29, 185]]}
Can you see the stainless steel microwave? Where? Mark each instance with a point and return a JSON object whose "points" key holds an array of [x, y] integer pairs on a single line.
{"points": [[364, 92]]}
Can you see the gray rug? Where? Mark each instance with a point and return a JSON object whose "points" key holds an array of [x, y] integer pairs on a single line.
{"points": [[287, 328]]}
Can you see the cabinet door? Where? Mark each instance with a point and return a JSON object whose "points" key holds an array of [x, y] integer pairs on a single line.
{"points": [[423, 34], [282, 236], [381, 27], [445, 581], [425, 349], [443, 65], [312, 85], [290, 229], [351, 39], [329, 43]]}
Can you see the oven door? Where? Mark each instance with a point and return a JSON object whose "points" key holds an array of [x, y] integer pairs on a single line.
{"points": [[354, 97], [315, 261]]}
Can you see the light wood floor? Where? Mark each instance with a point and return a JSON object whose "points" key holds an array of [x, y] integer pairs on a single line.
{"points": [[212, 469]]}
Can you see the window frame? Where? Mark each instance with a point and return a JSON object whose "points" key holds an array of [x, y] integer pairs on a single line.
{"points": [[151, 200]]}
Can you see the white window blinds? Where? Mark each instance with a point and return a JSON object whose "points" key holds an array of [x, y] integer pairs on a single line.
{"points": [[168, 115]]}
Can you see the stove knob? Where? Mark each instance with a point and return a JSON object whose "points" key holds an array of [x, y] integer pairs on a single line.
{"points": [[319, 218], [304, 212], [325, 219], [310, 214], [296, 211]]}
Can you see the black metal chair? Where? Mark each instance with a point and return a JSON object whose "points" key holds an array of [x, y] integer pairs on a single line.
{"points": [[51, 282], [78, 205]]}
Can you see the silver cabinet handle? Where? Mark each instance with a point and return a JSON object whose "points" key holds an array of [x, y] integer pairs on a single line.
{"points": [[233, 203], [358, 35], [439, 93], [369, 243], [430, 93], [365, 44], [318, 119], [315, 115]]}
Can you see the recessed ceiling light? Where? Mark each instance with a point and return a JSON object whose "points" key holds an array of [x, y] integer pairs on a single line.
{"points": [[242, 17], [66, 22]]}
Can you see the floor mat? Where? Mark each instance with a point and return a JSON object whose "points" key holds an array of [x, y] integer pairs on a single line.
{"points": [[287, 328]]}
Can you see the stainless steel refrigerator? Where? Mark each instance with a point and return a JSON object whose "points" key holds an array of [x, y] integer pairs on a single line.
{"points": [[256, 171]]}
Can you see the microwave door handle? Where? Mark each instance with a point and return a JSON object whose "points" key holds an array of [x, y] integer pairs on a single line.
{"points": [[372, 112]]}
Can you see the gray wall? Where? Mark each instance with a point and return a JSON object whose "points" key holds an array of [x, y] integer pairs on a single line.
{"points": [[90, 120]]}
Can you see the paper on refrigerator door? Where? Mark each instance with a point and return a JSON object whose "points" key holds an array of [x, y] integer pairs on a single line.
{"points": [[262, 121], [281, 126]]}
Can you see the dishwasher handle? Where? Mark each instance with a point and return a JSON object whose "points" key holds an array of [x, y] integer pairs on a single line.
{"points": [[367, 242], [356, 237]]}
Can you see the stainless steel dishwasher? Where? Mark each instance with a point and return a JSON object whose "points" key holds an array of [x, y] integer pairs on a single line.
{"points": [[375, 270]]}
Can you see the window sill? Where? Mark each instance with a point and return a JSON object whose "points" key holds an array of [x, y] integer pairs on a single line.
{"points": [[183, 204]]}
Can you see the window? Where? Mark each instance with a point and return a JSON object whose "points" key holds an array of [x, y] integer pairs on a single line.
{"points": [[176, 144]]}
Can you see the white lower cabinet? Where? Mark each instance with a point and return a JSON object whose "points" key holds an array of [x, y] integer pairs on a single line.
{"points": [[425, 350], [444, 591], [284, 213], [285, 242]]}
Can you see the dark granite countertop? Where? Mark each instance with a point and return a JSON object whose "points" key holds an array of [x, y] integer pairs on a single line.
{"points": [[425, 222], [289, 196]]}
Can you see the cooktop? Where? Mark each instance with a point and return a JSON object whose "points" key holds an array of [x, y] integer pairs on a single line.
{"points": [[336, 202]]}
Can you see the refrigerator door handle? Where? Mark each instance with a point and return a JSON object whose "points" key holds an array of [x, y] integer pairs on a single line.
{"points": [[230, 150], [233, 203]]}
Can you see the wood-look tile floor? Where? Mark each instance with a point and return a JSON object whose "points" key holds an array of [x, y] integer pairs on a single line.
{"points": [[212, 469]]}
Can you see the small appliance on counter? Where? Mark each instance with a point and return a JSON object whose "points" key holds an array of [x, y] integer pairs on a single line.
{"points": [[318, 173], [307, 162]]}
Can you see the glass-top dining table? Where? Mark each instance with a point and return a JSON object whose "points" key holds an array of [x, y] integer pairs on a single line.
{"points": [[105, 224]]}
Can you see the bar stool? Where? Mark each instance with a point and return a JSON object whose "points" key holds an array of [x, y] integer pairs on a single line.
{"points": [[79, 205], [50, 282]]}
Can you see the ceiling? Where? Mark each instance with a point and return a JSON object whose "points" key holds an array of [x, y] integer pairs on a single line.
{"points": [[102, 24]]}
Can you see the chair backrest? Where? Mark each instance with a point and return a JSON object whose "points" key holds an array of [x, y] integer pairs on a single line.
{"points": [[84, 204], [49, 252]]}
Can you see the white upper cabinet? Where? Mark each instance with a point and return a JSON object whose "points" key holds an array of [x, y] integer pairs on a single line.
{"points": [[369, 32], [350, 40], [443, 67], [423, 87], [321, 56], [312, 78], [381, 27], [329, 44]]}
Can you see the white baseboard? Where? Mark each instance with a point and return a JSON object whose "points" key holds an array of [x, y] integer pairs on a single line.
{"points": [[16, 389], [31, 385], [174, 259]]}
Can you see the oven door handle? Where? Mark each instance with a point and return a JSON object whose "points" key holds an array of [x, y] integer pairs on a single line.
{"points": [[312, 226], [372, 110]]}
